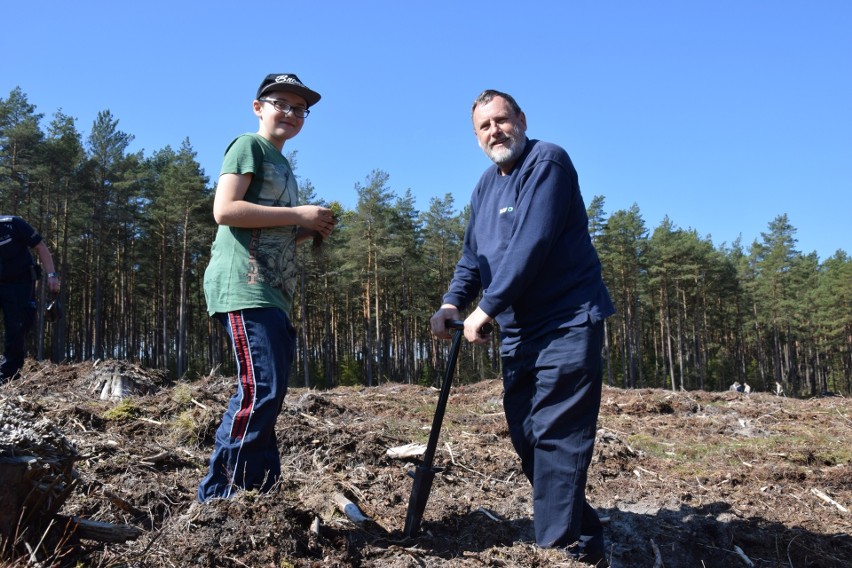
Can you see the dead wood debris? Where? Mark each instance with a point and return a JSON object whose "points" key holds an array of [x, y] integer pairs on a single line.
{"points": [[697, 474]]}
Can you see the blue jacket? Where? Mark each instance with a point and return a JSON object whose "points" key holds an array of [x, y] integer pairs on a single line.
{"points": [[527, 248]]}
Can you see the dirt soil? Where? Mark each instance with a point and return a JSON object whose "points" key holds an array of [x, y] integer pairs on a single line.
{"points": [[681, 479]]}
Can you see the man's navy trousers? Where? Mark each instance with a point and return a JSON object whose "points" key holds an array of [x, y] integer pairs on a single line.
{"points": [[552, 395]]}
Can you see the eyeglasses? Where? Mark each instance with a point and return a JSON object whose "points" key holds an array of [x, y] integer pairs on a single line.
{"points": [[284, 107]]}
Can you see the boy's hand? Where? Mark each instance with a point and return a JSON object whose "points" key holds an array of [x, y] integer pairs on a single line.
{"points": [[318, 219]]}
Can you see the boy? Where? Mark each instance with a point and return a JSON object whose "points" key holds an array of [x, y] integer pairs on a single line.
{"points": [[250, 280]]}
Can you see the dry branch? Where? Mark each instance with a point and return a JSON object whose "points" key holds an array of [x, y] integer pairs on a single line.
{"points": [[489, 514], [151, 460], [649, 472], [658, 558], [350, 509], [406, 451], [151, 420], [742, 555], [828, 499], [123, 504], [104, 532]]}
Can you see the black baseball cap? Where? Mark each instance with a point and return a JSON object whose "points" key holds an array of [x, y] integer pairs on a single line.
{"points": [[287, 82]]}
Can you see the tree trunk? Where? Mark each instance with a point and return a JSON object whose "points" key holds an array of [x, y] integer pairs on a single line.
{"points": [[163, 348], [182, 353], [303, 309]]}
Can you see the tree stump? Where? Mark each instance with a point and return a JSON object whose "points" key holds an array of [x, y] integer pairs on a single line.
{"points": [[36, 477], [115, 380]]}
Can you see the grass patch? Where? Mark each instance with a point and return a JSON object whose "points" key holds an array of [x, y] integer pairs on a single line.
{"points": [[186, 428], [182, 394], [126, 409]]}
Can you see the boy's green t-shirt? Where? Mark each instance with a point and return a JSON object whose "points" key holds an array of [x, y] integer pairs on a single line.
{"points": [[255, 268]]}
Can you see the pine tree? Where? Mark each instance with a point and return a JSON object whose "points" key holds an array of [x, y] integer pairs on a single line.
{"points": [[20, 137], [623, 246]]}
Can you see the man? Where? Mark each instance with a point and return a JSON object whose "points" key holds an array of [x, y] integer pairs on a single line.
{"points": [[18, 275], [250, 281], [527, 249]]}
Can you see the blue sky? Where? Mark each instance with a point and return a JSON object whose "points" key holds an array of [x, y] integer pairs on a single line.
{"points": [[721, 114]]}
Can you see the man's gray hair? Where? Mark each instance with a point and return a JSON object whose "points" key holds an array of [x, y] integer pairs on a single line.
{"points": [[488, 95]]}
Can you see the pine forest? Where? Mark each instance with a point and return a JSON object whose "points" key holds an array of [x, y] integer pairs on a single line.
{"points": [[131, 233]]}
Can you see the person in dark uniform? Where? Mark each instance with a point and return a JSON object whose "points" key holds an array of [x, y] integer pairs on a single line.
{"points": [[528, 251], [18, 275]]}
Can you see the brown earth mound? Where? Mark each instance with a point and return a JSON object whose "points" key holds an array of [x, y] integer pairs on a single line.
{"points": [[681, 479]]}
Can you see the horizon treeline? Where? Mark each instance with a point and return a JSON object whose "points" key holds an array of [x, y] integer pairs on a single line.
{"points": [[130, 235]]}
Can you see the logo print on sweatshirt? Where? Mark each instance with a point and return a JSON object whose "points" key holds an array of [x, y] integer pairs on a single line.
{"points": [[508, 209]]}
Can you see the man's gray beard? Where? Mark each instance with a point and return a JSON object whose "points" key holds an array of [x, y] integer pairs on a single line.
{"points": [[508, 155]]}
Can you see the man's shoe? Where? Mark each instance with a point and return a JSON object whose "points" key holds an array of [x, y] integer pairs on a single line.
{"points": [[595, 558]]}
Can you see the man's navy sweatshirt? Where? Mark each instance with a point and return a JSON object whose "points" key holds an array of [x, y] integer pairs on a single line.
{"points": [[527, 247]]}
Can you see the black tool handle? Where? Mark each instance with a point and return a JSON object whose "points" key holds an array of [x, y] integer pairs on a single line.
{"points": [[486, 329], [432, 445], [425, 472]]}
